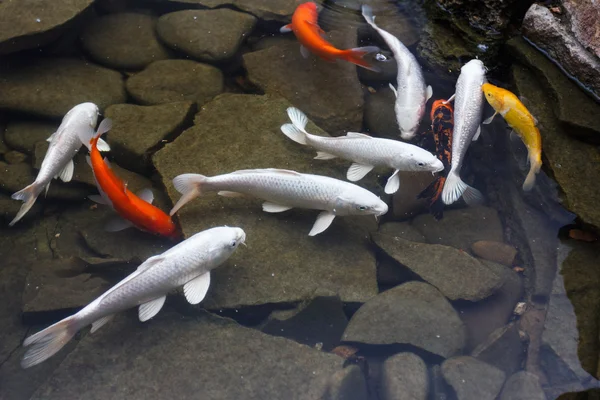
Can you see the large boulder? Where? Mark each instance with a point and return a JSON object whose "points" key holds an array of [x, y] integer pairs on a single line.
{"points": [[472, 379], [138, 130], [22, 135], [547, 32], [50, 87], [169, 81], [584, 17], [281, 264], [404, 377], [26, 24], [200, 357], [522, 386], [124, 41], [413, 313], [568, 159], [206, 35], [442, 266], [329, 93]]}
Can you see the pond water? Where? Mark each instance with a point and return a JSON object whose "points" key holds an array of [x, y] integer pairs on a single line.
{"points": [[494, 301]]}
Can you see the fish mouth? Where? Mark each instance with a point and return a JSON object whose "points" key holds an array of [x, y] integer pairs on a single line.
{"points": [[241, 237]]}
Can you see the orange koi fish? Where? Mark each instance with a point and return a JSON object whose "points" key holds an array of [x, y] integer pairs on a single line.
{"points": [[135, 210], [306, 28], [442, 124]]}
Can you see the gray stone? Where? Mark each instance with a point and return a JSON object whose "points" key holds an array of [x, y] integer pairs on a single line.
{"points": [[404, 377], [50, 87], [472, 379], [200, 357], [497, 252], [503, 349], [29, 24], [170, 81], [483, 318], [282, 263], [329, 93], [14, 157], [444, 267], [461, 228], [123, 41], [402, 230], [406, 204], [549, 34], [584, 16], [522, 385], [390, 19], [139, 130], [347, 384], [46, 291], [14, 177], [207, 35], [317, 322], [268, 10], [443, 48], [569, 159], [22, 135], [572, 106], [413, 313], [380, 118]]}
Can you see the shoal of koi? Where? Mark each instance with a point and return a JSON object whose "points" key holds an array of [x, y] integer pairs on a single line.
{"points": [[455, 123]]}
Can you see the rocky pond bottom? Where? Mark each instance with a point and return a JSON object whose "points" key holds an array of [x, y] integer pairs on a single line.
{"points": [[499, 301]]}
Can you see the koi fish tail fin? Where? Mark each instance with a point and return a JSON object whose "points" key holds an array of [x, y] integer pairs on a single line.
{"points": [[357, 54], [28, 195], [89, 137], [534, 169], [432, 194], [297, 129], [190, 186], [48, 342], [454, 187]]}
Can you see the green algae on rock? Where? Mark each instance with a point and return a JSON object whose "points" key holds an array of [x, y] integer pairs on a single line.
{"points": [[50, 87], [168, 81], [328, 93], [206, 35], [138, 130], [413, 313], [27, 24], [124, 41], [281, 264]]}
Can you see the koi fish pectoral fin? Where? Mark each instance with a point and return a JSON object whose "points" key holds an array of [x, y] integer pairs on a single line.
{"points": [[450, 99], [393, 90], [477, 133], [429, 92], [67, 172], [304, 51], [490, 119], [286, 28], [196, 289], [117, 224], [358, 171], [146, 195], [324, 219], [151, 308], [393, 183]]}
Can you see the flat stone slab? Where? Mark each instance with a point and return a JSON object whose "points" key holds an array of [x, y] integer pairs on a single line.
{"points": [[281, 263]]}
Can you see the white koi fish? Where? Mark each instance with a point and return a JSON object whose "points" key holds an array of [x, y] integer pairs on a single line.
{"points": [[412, 93], [367, 152], [189, 264], [283, 190], [468, 108], [58, 161]]}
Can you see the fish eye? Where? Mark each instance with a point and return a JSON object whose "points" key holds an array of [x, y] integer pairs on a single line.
{"points": [[361, 208], [421, 164], [233, 243], [380, 57]]}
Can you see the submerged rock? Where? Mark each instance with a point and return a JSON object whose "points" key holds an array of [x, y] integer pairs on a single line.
{"points": [[548, 33], [522, 386], [329, 93], [138, 130], [498, 252], [404, 377], [503, 349], [472, 379], [444, 267], [413, 313], [575, 109], [568, 158], [22, 135], [206, 35], [281, 264], [269, 10], [443, 48], [14, 157], [30, 24], [461, 228], [380, 118], [124, 40], [169, 81], [50, 87], [584, 17], [347, 384], [237, 362], [405, 201]]}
